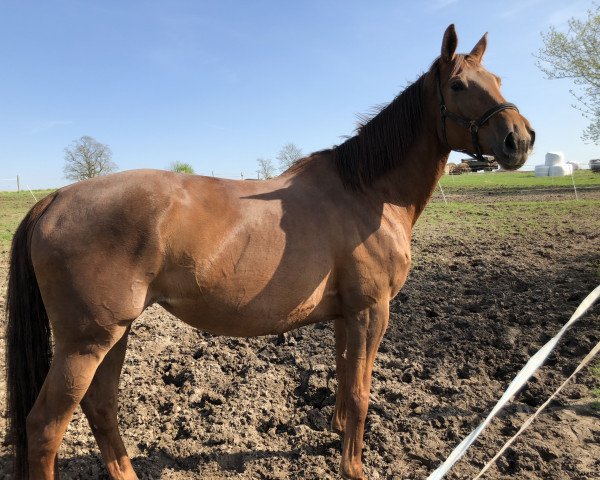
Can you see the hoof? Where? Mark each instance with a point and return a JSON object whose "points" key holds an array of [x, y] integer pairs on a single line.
{"points": [[355, 473], [353, 477]]}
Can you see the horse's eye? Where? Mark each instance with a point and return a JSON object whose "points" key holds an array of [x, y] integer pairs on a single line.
{"points": [[458, 86]]}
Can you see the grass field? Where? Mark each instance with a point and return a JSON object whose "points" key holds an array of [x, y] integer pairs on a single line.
{"points": [[518, 180], [13, 207], [505, 219]]}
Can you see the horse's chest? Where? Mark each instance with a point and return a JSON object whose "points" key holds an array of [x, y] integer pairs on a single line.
{"points": [[381, 266]]}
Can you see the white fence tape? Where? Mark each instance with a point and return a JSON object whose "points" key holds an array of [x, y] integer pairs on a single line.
{"points": [[588, 358], [32, 193], [526, 372]]}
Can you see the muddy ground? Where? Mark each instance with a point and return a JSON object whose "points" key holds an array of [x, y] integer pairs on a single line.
{"points": [[472, 312]]}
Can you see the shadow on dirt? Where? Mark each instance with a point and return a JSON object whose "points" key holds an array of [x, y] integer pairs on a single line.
{"points": [[155, 461]]}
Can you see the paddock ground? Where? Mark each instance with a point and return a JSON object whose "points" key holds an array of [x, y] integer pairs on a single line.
{"points": [[495, 275]]}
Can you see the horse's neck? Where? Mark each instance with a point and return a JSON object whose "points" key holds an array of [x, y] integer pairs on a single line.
{"points": [[411, 184]]}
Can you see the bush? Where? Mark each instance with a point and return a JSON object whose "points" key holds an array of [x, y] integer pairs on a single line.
{"points": [[182, 167]]}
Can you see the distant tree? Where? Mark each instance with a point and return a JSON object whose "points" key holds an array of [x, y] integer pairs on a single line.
{"points": [[266, 169], [288, 155], [181, 167], [575, 54], [87, 158]]}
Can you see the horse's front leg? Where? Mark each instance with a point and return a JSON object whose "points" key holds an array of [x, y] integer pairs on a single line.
{"points": [[364, 331], [338, 422]]}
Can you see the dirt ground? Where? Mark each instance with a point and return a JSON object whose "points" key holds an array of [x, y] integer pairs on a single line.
{"points": [[471, 314]]}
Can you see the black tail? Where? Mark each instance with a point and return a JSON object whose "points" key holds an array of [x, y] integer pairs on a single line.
{"points": [[28, 344]]}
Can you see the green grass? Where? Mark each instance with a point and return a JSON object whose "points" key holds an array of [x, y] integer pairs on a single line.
{"points": [[517, 180], [13, 207], [510, 217]]}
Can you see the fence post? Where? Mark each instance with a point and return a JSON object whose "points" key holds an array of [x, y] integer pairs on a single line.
{"points": [[18, 185]]}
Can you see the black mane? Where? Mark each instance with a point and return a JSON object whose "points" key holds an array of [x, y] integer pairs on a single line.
{"points": [[383, 141]]}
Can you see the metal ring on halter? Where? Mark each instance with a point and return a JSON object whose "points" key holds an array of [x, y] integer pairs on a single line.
{"points": [[472, 126]]}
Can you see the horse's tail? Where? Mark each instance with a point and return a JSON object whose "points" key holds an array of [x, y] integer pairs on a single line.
{"points": [[28, 343]]}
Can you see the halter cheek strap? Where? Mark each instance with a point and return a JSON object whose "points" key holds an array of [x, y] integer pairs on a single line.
{"points": [[472, 125]]}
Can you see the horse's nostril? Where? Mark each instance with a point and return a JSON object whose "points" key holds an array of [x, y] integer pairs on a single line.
{"points": [[532, 137], [510, 143]]}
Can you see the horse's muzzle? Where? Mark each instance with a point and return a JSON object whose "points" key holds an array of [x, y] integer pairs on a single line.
{"points": [[515, 149]]}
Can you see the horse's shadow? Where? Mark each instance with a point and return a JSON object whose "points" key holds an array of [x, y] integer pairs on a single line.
{"points": [[151, 464], [157, 460]]}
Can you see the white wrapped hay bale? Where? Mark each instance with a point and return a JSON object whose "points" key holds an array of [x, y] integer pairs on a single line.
{"points": [[541, 170], [575, 165], [554, 158], [560, 170]]}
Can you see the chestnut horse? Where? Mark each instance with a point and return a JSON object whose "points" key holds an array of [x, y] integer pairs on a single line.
{"points": [[328, 240]]}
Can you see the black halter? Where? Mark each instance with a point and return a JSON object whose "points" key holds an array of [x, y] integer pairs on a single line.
{"points": [[472, 125]]}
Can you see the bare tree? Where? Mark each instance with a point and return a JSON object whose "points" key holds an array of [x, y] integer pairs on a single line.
{"points": [[266, 169], [288, 155], [181, 167], [87, 158]]}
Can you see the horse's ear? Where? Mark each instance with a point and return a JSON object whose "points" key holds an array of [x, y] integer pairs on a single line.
{"points": [[479, 49], [449, 43]]}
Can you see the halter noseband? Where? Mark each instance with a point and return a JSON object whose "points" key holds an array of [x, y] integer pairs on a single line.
{"points": [[472, 125]]}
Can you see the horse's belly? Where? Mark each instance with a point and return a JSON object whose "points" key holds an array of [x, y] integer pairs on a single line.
{"points": [[251, 278], [214, 316], [240, 307]]}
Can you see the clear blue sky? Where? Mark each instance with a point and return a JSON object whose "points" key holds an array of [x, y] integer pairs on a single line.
{"points": [[219, 84]]}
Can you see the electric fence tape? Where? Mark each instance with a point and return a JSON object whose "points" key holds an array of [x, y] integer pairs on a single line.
{"points": [[525, 374]]}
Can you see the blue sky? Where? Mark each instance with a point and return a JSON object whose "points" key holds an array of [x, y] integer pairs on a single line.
{"points": [[220, 84]]}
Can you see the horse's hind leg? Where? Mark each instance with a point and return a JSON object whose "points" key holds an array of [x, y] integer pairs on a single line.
{"points": [[100, 405], [71, 372]]}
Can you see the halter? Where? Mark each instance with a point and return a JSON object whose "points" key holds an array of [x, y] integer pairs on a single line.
{"points": [[472, 126]]}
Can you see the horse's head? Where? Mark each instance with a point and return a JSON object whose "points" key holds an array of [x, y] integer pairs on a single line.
{"points": [[474, 116]]}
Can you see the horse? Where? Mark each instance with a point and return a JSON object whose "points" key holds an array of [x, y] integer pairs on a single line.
{"points": [[328, 240]]}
